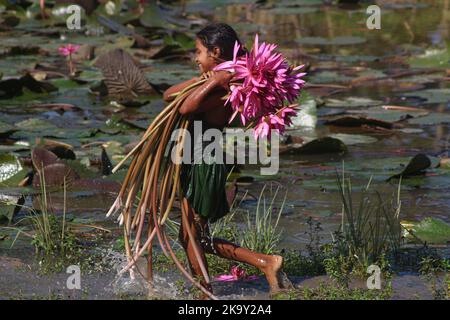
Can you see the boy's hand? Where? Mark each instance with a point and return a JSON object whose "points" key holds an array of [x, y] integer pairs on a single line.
{"points": [[207, 75], [222, 79]]}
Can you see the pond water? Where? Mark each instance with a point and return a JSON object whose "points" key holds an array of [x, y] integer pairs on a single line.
{"points": [[352, 71]]}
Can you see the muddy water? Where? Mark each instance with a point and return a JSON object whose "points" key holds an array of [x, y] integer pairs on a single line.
{"points": [[338, 47]]}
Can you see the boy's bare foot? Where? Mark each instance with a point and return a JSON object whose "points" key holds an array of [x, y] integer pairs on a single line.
{"points": [[272, 270]]}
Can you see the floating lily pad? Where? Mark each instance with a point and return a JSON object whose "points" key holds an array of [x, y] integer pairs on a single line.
{"points": [[41, 157], [411, 130], [10, 205], [431, 95], [432, 118], [98, 184], [418, 164], [153, 17], [34, 124], [351, 139], [9, 166], [444, 163], [352, 102], [292, 10], [358, 121], [180, 39], [316, 146], [384, 114], [6, 129], [329, 77], [16, 147], [432, 58], [54, 175], [10, 88], [169, 74], [432, 230], [343, 40], [307, 114]]}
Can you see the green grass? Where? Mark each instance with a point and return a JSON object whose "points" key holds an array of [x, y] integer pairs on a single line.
{"points": [[329, 292], [54, 239], [370, 226], [261, 233]]}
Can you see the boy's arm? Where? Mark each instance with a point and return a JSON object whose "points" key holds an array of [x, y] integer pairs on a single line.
{"points": [[207, 95], [177, 88]]}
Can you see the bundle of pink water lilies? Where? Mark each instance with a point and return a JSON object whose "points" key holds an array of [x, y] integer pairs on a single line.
{"points": [[262, 92], [268, 83]]}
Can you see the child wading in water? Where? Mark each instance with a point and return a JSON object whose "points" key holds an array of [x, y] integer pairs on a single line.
{"points": [[203, 185]]}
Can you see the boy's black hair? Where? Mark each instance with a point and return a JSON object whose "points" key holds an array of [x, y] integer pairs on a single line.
{"points": [[220, 35]]}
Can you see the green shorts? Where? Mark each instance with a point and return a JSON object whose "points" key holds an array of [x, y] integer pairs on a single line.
{"points": [[204, 186]]}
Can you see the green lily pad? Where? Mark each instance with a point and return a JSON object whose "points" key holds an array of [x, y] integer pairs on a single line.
{"points": [[431, 95], [358, 121], [153, 17], [307, 113], [343, 40], [433, 230], [380, 113], [417, 165], [169, 74], [10, 205], [444, 163], [328, 77], [352, 58], [379, 169], [432, 118], [432, 58], [13, 239], [180, 39], [6, 129], [351, 139], [352, 102], [34, 124], [9, 166], [316, 146], [292, 10]]}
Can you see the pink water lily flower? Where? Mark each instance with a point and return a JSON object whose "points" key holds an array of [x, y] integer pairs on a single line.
{"points": [[265, 83], [274, 121], [237, 273], [69, 49]]}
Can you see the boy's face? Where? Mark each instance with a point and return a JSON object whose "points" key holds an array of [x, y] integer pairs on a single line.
{"points": [[205, 60]]}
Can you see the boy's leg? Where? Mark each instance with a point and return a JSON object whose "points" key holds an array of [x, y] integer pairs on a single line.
{"points": [[270, 265], [188, 246]]}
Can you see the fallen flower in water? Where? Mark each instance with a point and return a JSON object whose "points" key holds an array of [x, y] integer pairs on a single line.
{"points": [[237, 273], [67, 51]]}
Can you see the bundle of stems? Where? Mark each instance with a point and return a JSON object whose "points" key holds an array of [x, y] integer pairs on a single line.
{"points": [[157, 178]]}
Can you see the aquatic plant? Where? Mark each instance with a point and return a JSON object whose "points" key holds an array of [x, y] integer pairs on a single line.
{"points": [[67, 51], [54, 238], [371, 228], [261, 233], [263, 83], [436, 271]]}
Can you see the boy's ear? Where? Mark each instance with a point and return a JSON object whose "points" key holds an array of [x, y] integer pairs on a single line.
{"points": [[216, 53]]}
